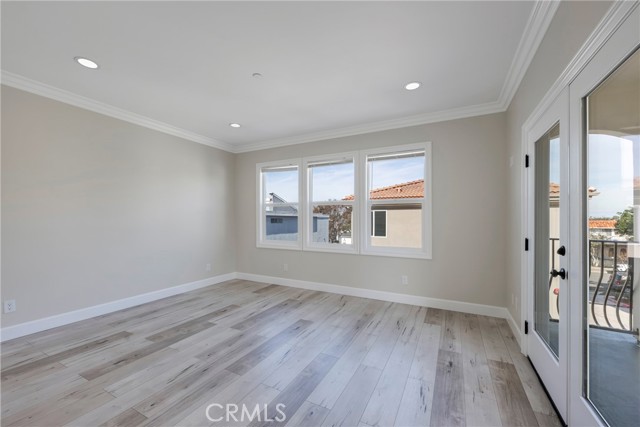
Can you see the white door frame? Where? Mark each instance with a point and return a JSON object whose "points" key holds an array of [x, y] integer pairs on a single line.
{"points": [[551, 370], [621, 44]]}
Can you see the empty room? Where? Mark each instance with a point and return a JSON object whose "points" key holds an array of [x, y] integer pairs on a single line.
{"points": [[320, 213]]}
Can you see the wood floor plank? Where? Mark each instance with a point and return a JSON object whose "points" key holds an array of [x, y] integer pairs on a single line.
{"points": [[342, 342], [385, 400], [57, 357], [450, 336], [480, 400], [494, 345], [417, 399], [65, 409], [415, 406], [267, 289], [434, 316], [514, 406], [144, 351], [448, 402], [309, 414], [185, 328], [294, 395], [332, 386], [128, 418], [306, 350], [278, 310], [391, 331], [173, 400], [245, 363], [352, 402]]}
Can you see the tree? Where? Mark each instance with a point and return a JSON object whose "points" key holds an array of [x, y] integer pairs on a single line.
{"points": [[624, 222], [339, 220]]}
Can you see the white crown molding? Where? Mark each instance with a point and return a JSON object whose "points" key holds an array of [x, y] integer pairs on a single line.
{"points": [[42, 89], [534, 31], [421, 119]]}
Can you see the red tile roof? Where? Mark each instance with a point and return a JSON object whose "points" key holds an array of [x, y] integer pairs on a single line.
{"points": [[406, 190], [602, 223]]}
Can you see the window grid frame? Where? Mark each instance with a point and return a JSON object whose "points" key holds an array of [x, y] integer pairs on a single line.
{"points": [[361, 205]]}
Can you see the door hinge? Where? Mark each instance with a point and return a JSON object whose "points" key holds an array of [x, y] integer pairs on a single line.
{"points": [[526, 244], [526, 161], [526, 327]]}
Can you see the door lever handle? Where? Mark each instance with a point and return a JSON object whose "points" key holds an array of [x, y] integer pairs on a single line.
{"points": [[562, 273]]}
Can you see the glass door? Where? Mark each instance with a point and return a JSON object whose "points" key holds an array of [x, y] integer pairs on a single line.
{"points": [[548, 213], [605, 126]]}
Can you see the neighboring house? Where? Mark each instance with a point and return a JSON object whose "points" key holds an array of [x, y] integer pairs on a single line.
{"points": [[603, 228], [282, 221], [396, 225]]}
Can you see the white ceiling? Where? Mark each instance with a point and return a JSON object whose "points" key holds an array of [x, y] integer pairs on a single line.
{"points": [[329, 68]]}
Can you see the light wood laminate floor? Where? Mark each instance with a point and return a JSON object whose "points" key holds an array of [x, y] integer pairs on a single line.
{"points": [[331, 360]]}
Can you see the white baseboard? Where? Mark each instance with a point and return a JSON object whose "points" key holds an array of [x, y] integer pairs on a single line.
{"points": [[22, 329], [465, 307]]}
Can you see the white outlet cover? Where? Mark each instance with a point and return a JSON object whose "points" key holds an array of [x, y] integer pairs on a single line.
{"points": [[10, 306]]}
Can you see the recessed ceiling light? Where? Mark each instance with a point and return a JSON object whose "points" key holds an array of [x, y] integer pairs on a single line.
{"points": [[257, 75], [412, 86], [234, 125], [86, 62]]}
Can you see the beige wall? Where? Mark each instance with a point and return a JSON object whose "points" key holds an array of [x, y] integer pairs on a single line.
{"points": [[573, 23], [470, 183], [95, 209], [404, 229]]}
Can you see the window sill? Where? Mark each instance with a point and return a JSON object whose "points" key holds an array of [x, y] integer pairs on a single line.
{"points": [[291, 247]]}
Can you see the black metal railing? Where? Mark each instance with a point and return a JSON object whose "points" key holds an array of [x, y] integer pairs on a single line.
{"points": [[610, 284]]}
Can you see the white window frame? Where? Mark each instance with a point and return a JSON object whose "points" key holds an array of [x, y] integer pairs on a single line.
{"points": [[426, 201], [361, 234], [309, 244], [261, 240]]}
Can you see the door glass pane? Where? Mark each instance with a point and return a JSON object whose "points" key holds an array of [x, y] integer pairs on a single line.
{"points": [[547, 237], [611, 293]]}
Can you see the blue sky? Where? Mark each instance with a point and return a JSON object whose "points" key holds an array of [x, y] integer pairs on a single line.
{"points": [[611, 171], [336, 181]]}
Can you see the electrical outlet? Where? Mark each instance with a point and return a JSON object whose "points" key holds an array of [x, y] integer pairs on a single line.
{"points": [[208, 267], [285, 267], [10, 306], [404, 280]]}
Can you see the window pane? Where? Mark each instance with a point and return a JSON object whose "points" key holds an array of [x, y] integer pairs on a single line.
{"points": [[332, 224], [397, 226], [379, 223], [281, 223], [396, 176], [280, 185], [331, 181]]}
